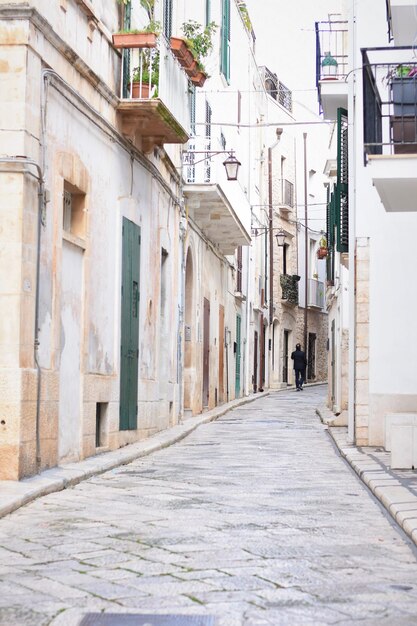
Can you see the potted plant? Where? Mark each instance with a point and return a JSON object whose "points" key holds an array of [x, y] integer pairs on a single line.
{"points": [[322, 252], [193, 48], [404, 90], [144, 38], [148, 86]]}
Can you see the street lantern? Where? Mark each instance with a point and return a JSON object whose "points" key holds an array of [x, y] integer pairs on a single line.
{"points": [[231, 165], [329, 66], [280, 236]]}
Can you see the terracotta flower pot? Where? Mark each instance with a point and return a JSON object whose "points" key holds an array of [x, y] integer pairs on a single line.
{"points": [[135, 40], [136, 90], [193, 70], [182, 52], [200, 79]]}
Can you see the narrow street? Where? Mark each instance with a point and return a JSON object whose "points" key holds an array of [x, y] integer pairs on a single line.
{"points": [[254, 519]]}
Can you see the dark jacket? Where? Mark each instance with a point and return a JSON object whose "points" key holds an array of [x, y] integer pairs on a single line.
{"points": [[299, 358]]}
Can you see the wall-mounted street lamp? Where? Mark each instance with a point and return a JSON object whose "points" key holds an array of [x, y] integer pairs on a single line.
{"points": [[280, 237], [231, 164]]}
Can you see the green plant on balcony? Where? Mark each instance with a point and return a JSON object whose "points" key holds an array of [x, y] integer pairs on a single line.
{"points": [[199, 39], [243, 9], [149, 79], [289, 286], [153, 25]]}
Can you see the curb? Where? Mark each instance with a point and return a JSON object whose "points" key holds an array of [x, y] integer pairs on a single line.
{"points": [[398, 500], [15, 494]]}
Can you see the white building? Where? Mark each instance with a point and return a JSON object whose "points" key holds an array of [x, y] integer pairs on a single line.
{"points": [[118, 291], [378, 95]]}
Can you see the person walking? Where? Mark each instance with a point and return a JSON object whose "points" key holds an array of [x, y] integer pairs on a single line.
{"points": [[300, 362]]}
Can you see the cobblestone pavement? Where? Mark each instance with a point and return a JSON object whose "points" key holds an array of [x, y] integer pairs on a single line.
{"points": [[253, 518]]}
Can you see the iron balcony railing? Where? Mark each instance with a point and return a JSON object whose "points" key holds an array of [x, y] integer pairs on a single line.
{"points": [[331, 40], [154, 72], [315, 293], [390, 101], [276, 89]]}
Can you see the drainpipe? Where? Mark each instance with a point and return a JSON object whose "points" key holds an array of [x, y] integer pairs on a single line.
{"points": [[22, 160], [271, 246], [306, 249]]}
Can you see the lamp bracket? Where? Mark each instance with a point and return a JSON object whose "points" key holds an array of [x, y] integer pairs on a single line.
{"points": [[188, 156]]}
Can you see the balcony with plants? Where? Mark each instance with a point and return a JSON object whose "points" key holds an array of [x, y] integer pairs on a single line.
{"points": [[217, 204], [332, 66], [289, 289], [156, 73], [390, 125]]}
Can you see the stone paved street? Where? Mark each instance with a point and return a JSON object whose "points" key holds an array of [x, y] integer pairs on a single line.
{"points": [[254, 518]]}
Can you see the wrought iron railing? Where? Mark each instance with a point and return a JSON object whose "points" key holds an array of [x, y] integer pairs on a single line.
{"points": [[276, 89], [332, 40], [315, 293], [390, 102]]}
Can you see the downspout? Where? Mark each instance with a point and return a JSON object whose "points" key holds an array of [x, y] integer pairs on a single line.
{"points": [[271, 247], [41, 205]]}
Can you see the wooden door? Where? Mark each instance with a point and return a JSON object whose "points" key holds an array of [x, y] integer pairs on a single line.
{"points": [[129, 343], [255, 362], [262, 354], [221, 353], [206, 353], [238, 355], [285, 357]]}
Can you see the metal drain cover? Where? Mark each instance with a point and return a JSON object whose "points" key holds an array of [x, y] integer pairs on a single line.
{"points": [[119, 619]]}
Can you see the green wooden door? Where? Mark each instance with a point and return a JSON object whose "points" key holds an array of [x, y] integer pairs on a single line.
{"points": [[129, 348], [238, 355]]}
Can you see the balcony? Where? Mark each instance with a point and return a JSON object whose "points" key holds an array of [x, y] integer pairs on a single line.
{"points": [[276, 89], [332, 66], [289, 286], [402, 21], [219, 207], [390, 125], [286, 201], [315, 293], [154, 103]]}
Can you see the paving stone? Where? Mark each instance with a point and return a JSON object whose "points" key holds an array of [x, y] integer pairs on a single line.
{"points": [[253, 519]]}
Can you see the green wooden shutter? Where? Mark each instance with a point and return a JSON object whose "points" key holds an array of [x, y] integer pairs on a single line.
{"points": [[127, 21], [129, 342], [208, 12], [342, 203], [225, 40], [238, 355], [167, 23]]}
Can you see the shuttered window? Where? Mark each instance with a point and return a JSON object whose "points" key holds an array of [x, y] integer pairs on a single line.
{"points": [[167, 23], [225, 40], [342, 204], [208, 12], [239, 270]]}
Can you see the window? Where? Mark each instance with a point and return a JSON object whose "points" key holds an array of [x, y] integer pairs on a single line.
{"points": [[285, 258], [225, 41], [73, 211]]}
